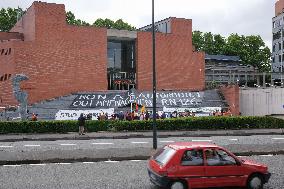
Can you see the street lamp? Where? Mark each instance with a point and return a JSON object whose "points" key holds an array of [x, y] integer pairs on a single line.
{"points": [[154, 77]]}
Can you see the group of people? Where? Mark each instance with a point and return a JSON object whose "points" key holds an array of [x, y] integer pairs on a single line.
{"points": [[129, 116], [222, 113], [134, 115]]}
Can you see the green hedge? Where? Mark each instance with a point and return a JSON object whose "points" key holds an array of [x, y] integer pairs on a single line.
{"points": [[198, 123]]}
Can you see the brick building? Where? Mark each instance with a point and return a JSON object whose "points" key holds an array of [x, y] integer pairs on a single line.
{"points": [[62, 59]]}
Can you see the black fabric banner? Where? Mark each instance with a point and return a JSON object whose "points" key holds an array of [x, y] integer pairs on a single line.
{"points": [[123, 99]]}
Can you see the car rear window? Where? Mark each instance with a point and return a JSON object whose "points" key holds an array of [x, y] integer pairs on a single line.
{"points": [[164, 155]]}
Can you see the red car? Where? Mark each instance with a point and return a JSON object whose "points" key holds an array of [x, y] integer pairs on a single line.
{"points": [[201, 165]]}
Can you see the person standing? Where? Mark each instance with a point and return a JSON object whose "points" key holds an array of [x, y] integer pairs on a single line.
{"points": [[34, 117], [81, 123]]}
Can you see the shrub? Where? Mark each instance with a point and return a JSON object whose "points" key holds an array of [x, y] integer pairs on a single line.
{"points": [[196, 123]]}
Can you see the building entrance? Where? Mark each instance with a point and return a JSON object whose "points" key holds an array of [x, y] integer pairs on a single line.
{"points": [[121, 71]]}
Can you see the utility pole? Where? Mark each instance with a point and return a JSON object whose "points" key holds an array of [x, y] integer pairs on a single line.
{"points": [[154, 77]]}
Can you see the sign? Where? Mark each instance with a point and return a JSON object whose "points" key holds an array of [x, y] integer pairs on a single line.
{"points": [[75, 114], [122, 99], [200, 109]]}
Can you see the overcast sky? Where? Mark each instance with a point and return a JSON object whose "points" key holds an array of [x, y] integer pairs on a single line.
{"points": [[245, 17]]}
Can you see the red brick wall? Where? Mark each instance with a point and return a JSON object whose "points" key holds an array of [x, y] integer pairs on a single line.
{"points": [[279, 6], [26, 25], [177, 66], [59, 59], [11, 35], [7, 67], [231, 94]]}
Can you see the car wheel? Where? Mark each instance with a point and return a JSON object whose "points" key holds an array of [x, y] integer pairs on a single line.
{"points": [[255, 182], [178, 185]]}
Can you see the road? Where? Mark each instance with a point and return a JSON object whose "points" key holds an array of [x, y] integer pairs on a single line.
{"points": [[134, 142], [132, 147], [103, 175]]}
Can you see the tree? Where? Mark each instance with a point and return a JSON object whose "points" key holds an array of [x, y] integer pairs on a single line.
{"points": [[235, 45], [71, 19], [120, 25], [197, 40], [219, 44], [208, 46], [110, 24], [8, 18], [251, 49], [211, 44], [105, 23]]}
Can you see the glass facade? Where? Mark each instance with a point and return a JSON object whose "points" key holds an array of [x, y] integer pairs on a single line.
{"points": [[121, 70]]}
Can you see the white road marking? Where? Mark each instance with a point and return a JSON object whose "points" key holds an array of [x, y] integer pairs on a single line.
{"points": [[165, 141], [201, 140], [63, 163], [6, 146], [135, 160], [277, 138], [88, 162], [268, 155], [109, 161], [233, 139], [68, 144], [103, 143], [32, 145], [11, 165], [139, 142], [40, 164]]}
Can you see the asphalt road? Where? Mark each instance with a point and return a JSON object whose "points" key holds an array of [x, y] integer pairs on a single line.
{"points": [[103, 175], [135, 142], [132, 147]]}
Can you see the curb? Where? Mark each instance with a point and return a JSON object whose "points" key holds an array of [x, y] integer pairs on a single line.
{"points": [[186, 134]]}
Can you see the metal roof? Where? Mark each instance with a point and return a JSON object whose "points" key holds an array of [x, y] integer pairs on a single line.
{"points": [[222, 58]]}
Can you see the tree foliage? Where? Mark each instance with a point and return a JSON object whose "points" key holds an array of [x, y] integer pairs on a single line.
{"points": [[251, 49], [8, 18], [71, 19], [106, 23], [110, 24]]}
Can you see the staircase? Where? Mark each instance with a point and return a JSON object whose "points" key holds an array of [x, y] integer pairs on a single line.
{"points": [[47, 109]]}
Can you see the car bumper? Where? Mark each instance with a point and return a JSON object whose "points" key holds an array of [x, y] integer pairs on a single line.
{"points": [[267, 177], [161, 181]]}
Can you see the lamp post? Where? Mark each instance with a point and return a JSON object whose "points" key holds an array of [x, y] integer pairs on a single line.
{"points": [[154, 77]]}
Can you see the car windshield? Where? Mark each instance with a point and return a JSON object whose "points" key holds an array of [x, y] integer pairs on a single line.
{"points": [[164, 155]]}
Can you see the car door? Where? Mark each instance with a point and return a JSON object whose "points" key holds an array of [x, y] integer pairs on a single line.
{"points": [[191, 167], [222, 169]]}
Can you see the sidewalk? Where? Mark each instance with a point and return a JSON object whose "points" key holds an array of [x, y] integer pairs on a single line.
{"points": [[142, 134]]}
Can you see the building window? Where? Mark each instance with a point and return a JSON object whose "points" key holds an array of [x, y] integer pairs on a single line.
{"points": [[279, 45], [273, 59], [273, 48], [273, 24], [121, 65], [277, 35], [279, 58]]}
